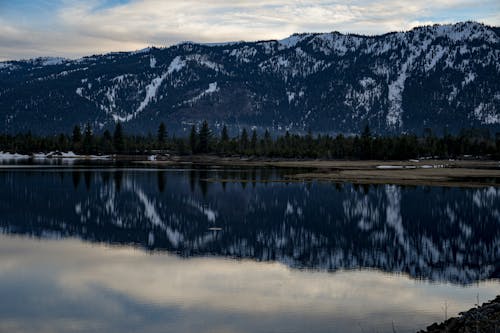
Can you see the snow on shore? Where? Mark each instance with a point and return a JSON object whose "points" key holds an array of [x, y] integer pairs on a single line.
{"points": [[10, 156], [41, 156]]}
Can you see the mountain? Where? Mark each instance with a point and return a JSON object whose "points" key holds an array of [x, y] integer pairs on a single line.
{"points": [[440, 77]]}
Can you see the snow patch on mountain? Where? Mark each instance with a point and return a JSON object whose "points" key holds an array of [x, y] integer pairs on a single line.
{"points": [[52, 61], [151, 90], [245, 54], [111, 96], [47, 61], [176, 65], [203, 60], [269, 47], [335, 43], [121, 78], [434, 54], [487, 114], [301, 64], [5, 65], [470, 77], [394, 116], [465, 31], [361, 100], [293, 40], [212, 88]]}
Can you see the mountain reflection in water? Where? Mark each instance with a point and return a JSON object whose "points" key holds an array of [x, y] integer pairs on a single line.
{"points": [[432, 233]]}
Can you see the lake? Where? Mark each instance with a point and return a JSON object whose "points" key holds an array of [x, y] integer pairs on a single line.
{"points": [[118, 248]]}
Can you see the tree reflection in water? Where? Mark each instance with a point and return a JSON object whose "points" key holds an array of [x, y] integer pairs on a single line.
{"points": [[439, 234]]}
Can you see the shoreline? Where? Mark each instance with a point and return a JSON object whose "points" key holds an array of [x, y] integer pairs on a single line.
{"points": [[448, 173], [425, 172]]}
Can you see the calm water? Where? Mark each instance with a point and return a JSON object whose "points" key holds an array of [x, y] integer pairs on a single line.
{"points": [[210, 250]]}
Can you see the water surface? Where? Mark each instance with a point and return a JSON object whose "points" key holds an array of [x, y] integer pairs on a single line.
{"points": [[89, 249]]}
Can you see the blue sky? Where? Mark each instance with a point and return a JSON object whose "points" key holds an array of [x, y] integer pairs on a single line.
{"points": [[73, 28]]}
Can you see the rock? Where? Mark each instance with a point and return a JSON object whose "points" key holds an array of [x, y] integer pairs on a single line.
{"points": [[483, 319]]}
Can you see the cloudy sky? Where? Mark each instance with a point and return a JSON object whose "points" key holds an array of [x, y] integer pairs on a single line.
{"points": [[73, 28]]}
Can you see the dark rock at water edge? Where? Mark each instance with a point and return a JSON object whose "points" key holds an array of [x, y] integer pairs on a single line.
{"points": [[482, 319]]}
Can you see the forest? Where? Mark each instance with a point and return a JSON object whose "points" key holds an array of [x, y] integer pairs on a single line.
{"points": [[469, 143]]}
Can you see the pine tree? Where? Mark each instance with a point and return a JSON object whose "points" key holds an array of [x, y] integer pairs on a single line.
{"points": [[118, 139], [310, 144], [268, 143], [366, 143], [244, 141], [224, 141], [88, 140], [224, 135], [77, 137], [62, 142], [204, 138], [107, 142], [181, 146], [287, 145], [253, 142], [497, 143], [162, 135], [193, 140]]}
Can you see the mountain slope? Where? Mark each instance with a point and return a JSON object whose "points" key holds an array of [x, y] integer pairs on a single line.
{"points": [[442, 76]]}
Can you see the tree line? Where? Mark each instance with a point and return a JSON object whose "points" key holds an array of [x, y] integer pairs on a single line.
{"points": [[474, 142]]}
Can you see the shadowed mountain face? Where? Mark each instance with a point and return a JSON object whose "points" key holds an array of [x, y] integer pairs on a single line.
{"points": [[439, 234], [440, 77]]}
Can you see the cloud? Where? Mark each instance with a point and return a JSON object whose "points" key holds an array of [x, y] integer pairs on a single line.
{"points": [[77, 28]]}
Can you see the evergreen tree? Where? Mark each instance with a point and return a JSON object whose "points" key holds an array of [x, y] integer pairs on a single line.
{"points": [[118, 138], [366, 143], [253, 142], [224, 140], [268, 143], [310, 144], [107, 142], [286, 147], [475, 142], [180, 146], [497, 144], [193, 140], [162, 135], [224, 135], [244, 141], [88, 140], [62, 142], [204, 138], [77, 137]]}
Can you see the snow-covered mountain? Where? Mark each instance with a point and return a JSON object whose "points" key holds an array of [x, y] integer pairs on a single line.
{"points": [[441, 76]]}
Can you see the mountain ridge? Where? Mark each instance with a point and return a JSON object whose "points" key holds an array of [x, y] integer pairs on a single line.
{"points": [[440, 76]]}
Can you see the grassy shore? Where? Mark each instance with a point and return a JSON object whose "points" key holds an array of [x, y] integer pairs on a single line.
{"points": [[465, 173]]}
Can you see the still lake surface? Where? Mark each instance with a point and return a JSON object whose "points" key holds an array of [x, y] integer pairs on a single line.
{"points": [[121, 249]]}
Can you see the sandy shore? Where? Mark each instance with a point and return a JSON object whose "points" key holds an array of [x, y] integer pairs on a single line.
{"points": [[466, 173]]}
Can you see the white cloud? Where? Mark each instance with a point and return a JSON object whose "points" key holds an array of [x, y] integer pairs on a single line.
{"points": [[80, 28]]}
